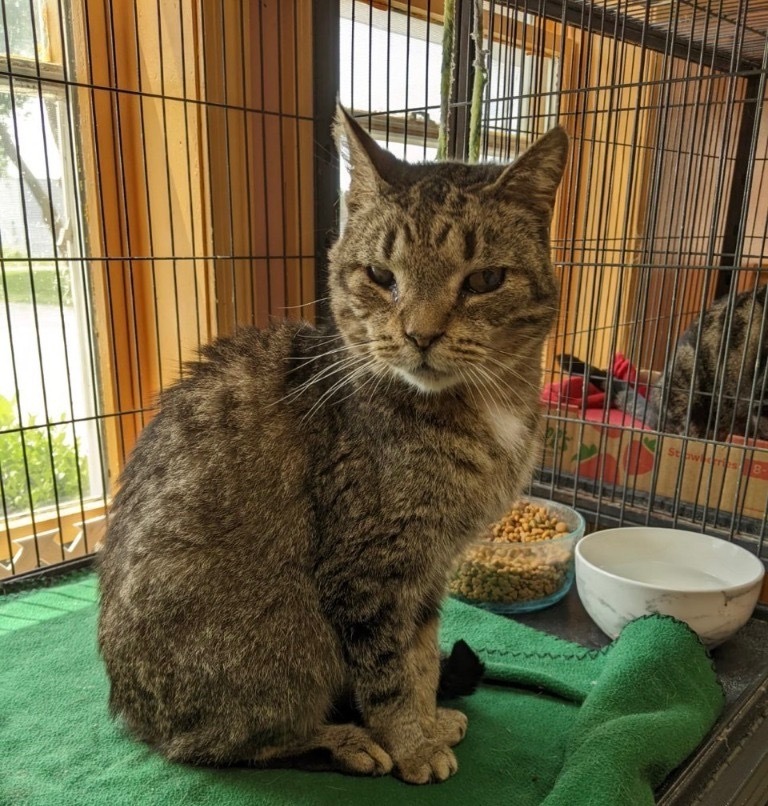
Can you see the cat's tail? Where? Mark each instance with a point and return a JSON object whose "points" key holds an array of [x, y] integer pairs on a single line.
{"points": [[622, 394], [460, 672], [631, 402]]}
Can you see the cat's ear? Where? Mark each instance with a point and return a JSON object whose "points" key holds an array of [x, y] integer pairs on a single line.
{"points": [[534, 176], [369, 164]]}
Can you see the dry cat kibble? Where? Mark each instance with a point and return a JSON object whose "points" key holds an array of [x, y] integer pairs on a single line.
{"points": [[526, 522], [502, 570]]}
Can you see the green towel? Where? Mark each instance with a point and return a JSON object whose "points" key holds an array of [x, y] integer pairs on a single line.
{"points": [[555, 723]]}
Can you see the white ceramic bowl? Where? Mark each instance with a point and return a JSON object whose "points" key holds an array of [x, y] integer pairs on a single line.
{"points": [[711, 584]]}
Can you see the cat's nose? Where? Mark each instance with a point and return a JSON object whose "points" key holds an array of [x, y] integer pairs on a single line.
{"points": [[423, 340]]}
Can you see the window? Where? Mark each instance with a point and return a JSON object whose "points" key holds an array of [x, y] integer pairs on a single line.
{"points": [[156, 164], [50, 444], [390, 68], [390, 72]]}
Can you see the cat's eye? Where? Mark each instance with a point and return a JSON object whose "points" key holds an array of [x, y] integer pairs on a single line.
{"points": [[382, 277], [484, 281]]}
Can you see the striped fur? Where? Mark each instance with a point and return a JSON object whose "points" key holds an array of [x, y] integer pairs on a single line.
{"points": [[714, 384], [284, 529]]}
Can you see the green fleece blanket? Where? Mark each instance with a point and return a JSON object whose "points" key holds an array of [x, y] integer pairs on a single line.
{"points": [[555, 723]]}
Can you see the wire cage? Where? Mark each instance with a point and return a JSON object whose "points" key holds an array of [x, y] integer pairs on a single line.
{"points": [[167, 174]]}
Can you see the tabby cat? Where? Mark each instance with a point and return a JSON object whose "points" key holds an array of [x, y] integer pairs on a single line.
{"points": [[719, 388], [285, 527], [707, 391]]}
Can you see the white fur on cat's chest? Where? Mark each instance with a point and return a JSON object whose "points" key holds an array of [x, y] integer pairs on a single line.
{"points": [[508, 429]]}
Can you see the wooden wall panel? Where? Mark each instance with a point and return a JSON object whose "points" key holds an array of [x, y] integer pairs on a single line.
{"points": [[261, 147], [598, 232], [197, 144]]}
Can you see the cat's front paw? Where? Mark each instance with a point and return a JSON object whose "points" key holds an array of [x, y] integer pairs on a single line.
{"points": [[429, 764], [359, 754], [450, 726]]}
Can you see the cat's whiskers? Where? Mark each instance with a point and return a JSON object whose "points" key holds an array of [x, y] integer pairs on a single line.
{"points": [[392, 378], [382, 374], [541, 307], [338, 366], [472, 368], [376, 375], [332, 369], [492, 388], [493, 380], [507, 395], [465, 368], [311, 332], [493, 349], [469, 383], [303, 304], [513, 390], [349, 378], [482, 356], [496, 392], [511, 370], [514, 398], [307, 361]]}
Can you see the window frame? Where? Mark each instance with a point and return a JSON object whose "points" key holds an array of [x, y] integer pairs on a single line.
{"points": [[64, 530], [227, 119]]}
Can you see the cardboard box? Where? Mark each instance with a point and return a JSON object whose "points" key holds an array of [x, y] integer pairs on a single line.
{"points": [[731, 477]]}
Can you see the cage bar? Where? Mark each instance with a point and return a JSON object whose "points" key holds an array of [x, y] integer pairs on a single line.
{"points": [[201, 185]]}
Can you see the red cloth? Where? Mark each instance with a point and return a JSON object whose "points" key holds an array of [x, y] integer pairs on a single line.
{"points": [[624, 370], [571, 394]]}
